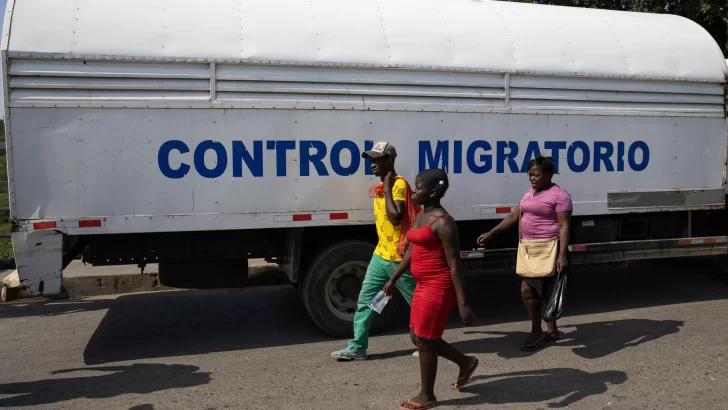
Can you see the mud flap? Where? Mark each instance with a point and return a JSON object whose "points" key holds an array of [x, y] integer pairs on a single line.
{"points": [[39, 260]]}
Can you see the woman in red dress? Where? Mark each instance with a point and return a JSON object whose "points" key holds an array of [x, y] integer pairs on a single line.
{"points": [[433, 257]]}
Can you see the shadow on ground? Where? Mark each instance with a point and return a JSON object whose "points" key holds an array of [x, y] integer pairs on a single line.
{"points": [[47, 308], [538, 386], [199, 322], [118, 380], [588, 340], [168, 324]]}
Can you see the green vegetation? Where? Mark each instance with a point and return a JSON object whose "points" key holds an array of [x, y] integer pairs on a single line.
{"points": [[6, 247]]}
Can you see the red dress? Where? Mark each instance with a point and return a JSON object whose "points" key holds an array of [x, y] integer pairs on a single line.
{"points": [[434, 296]]}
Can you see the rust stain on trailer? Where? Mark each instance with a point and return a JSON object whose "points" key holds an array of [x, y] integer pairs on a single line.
{"points": [[14, 225]]}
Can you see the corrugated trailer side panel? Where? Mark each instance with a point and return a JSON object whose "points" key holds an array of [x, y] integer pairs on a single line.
{"points": [[135, 143]]}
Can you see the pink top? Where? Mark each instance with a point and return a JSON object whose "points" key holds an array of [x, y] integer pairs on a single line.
{"points": [[539, 213]]}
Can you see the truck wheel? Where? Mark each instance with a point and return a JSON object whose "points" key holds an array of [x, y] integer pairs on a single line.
{"points": [[3, 294], [204, 275], [330, 288]]}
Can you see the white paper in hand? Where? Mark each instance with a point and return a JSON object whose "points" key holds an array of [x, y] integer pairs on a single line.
{"points": [[379, 302]]}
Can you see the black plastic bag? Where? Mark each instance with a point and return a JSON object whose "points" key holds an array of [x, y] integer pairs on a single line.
{"points": [[554, 307]]}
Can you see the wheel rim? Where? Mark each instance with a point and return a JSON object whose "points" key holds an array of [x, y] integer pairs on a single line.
{"points": [[342, 289]]}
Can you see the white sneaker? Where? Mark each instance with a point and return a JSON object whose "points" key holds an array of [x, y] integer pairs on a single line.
{"points": [[350, 354]]}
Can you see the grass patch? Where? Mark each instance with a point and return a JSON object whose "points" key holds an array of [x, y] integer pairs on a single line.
{"points": [[4, 196], [6, 246], [6, 249], [3, 168]]}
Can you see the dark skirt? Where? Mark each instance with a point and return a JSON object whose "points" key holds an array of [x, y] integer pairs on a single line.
{"points": [[542, 286]]}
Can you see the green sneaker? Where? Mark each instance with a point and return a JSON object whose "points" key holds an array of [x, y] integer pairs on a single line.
{"points": [[350, 354], [416, 354]]}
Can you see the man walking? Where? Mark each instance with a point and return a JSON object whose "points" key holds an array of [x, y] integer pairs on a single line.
{"points": [[394, 213]]}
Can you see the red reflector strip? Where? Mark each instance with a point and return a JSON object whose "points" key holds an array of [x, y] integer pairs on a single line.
{"points": [[90, 223], [698, 241], [504, 210], [316, 217], [471, 255], [44, 225], [577, 248]]}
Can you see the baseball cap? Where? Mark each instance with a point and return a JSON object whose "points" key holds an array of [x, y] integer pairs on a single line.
{"points": [[381, 149]]}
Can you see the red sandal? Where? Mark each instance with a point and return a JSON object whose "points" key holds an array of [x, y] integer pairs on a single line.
{"points": [[466, 378], [417, 406]]}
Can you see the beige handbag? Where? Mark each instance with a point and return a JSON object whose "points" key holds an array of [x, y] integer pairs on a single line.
{"points": [[536, 257]]}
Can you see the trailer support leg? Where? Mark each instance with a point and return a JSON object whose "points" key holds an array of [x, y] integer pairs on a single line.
{"points": [[39, 258]]}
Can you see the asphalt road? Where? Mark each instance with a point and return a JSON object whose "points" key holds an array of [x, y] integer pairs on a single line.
{"points": [[649, 337]]}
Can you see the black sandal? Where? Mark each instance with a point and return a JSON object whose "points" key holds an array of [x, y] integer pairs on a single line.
{"points": [[536, 346]]}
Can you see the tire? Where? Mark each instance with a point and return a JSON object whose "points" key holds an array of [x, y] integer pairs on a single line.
{"points": [[3, 294], [204, 275], [345, 263]]}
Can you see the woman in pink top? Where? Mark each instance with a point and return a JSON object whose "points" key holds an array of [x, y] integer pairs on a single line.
{"points": [[546, 211]]}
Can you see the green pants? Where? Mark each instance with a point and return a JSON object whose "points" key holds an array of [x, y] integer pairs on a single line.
{"points": [[378, 273]]}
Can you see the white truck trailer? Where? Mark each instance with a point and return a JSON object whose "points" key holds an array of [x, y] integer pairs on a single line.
{"points": [[199, 134]]}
